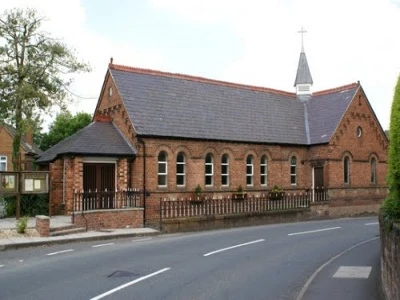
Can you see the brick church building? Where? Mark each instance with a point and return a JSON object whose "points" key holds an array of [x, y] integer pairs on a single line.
{"points": [[168, 133]]}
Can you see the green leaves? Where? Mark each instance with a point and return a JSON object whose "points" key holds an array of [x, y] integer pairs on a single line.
{"points": [[391, 206], [35, 69]]}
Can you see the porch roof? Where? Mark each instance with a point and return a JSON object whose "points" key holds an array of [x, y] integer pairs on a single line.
{"points": [[96, 139]]}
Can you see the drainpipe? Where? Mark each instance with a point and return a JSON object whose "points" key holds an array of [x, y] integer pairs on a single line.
{"points": [[63, 199], [144, 180]]}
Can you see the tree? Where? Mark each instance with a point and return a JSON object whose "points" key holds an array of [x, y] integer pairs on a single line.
{"points": [[35, 71], [391, 206], [63, 126]]}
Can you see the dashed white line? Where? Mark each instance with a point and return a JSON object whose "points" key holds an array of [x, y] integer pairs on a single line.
{"points": [[21, 260], [1, 266], [373, 223], [102, 245], [142, 240], [129, 284], [233, 247], [313, 231], [59, 252]]}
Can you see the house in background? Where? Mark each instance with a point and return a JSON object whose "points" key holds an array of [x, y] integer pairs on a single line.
{"points": [[28, 149], [168, 133]]}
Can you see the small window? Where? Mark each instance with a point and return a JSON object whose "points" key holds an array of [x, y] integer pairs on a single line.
{"points": [[180, 169], [249, 170], [373, 170], [225, 170], [162, 169], [359, 131], [293, 170], [3, 163], [346, 170], [209, 170], [110, 91], [263, 171]]}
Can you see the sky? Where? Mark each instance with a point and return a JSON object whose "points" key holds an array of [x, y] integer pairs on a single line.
{"points": [[253, 42]]}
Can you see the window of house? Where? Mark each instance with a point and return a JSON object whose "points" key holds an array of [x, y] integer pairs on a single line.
{"points": [[3, 163], [180, 169], [263, 171], [293, 170], [249, 170], [373, 170], [346, 170], [209, 170], [162, 169], [225, 170]]}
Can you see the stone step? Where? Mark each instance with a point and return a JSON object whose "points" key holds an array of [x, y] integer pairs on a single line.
{"points": [[60, 228], [68, 231]]}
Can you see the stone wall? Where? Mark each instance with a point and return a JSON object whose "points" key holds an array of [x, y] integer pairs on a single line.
{"points": [[390, 262]]}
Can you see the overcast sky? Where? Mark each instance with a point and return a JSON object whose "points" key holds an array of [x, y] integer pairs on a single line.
{"points": [[252, 42]]}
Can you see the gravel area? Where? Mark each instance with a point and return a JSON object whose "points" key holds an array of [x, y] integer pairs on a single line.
{"points": [[12, 233]]}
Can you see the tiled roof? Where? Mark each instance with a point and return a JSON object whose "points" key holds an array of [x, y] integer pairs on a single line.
{"points": [[24, 144], [98, 138], [174, 105]]}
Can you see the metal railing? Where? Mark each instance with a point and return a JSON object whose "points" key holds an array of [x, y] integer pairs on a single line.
{"points": [[98, 200], [268, 202]]}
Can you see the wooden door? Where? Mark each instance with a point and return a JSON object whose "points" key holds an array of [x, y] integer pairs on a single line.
{"points": [[98, 185]]}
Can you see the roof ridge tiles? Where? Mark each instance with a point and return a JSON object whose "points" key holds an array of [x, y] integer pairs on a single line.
{"points": [[337, 89], [197, 78]]}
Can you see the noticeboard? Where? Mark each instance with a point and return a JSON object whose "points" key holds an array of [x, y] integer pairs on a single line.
{"points": [[8, 182], [35, 182]]}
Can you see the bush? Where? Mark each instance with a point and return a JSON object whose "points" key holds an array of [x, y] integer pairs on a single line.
{"points": [[3, 208], [22, 223], [31, 205]]}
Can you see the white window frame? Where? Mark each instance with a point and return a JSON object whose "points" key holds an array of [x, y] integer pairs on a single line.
{"points": [[293, 164], [164, 174], [3, 160], [250, 175], [225, 174], [183, 164], [210, 174], [264, 175]]}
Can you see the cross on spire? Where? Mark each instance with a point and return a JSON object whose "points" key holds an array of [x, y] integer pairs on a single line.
{"points": [[302, 31]]}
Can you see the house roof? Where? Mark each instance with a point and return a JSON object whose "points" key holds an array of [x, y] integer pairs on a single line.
{"points": [[24, 144], [88, 141], [174, 105], [303, 75]]}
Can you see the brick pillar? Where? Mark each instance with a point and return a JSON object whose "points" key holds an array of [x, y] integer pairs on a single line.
{"points": [[43, 225]]}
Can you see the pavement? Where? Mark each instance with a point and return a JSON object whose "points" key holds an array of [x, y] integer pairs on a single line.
{"points": [[61, 221]]}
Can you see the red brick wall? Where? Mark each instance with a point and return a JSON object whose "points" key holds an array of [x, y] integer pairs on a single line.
{"points": [[98, 219]]}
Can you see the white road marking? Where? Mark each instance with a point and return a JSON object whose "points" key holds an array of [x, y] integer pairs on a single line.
{"points": [[142, 240], [102, 245], [352, 272], [313, 231], [233, 247], [373, 223], [21, 260], [129, 284], [312, 277], [1, 266], [59, 252]]}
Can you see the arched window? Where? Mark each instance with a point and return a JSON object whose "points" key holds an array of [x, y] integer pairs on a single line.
{"points": [[209, 170], [346, 170], [162, 169], [293, 170], [180, 169], [263, 171], [373, 170], [225, 170], [249, 170]]}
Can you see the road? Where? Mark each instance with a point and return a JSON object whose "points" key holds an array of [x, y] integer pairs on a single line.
{"points": [[334, 259]]}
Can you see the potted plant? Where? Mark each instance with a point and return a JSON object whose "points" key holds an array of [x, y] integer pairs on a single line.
{"points": [[197, 192], [277, 193], [240, 194]]}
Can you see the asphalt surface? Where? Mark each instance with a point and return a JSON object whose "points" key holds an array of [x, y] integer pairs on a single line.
{"points": [[265, 262]]}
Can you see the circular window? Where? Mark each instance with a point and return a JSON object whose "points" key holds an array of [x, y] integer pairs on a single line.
{"points": [[110, 91], [359, 131]]}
